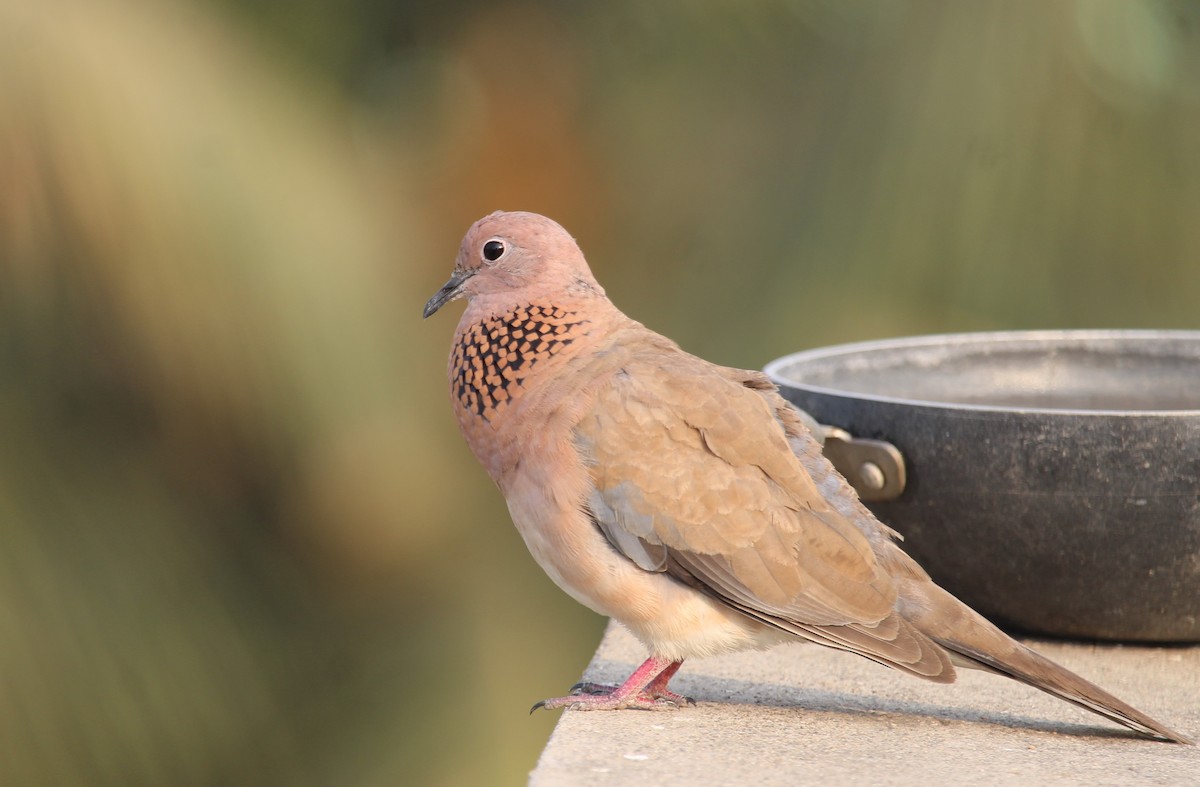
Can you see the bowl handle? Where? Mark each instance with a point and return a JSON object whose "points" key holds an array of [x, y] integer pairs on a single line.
{"points": [[875, 468]]}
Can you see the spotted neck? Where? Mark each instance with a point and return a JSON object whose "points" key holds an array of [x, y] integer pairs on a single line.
{"points": [[492, 359]]}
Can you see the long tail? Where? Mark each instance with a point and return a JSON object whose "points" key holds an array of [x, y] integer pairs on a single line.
{"points": [[970, 639], [974, 642]]}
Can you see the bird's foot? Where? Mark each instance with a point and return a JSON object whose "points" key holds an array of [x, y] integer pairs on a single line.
{"points": [[640, 701], [646, 689], [651, 692]]}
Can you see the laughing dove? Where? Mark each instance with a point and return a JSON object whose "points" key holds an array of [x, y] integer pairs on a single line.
{"points": [[686, 500]]}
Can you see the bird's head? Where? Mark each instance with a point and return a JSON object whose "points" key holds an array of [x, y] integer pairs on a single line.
{"points": [[516, 255]]}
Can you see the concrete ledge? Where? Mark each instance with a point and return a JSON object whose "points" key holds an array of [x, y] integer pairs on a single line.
{"points": [[805, 714]]}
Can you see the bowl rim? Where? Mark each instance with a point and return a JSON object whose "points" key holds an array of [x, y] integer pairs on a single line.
{"points": [[773, 369]]}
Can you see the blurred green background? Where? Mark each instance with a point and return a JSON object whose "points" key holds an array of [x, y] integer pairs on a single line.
{"points": [[241, 541]]}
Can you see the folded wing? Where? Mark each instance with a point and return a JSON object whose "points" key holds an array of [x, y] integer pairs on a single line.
{"points": [[694, 476]]}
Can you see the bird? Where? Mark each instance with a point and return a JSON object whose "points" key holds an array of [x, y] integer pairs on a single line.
{"points": [[686, 500]]}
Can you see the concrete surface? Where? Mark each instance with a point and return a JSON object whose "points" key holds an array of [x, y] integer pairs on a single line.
{"points": [[804, 714]]}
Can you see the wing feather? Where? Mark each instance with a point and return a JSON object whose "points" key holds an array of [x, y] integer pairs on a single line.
{"points": [[694, 474]]}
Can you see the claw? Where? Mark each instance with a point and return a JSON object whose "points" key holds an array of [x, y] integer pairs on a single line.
{"points": [[537, 705]]}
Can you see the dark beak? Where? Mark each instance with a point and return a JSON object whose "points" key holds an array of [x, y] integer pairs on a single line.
{"points": [[449, 291]]}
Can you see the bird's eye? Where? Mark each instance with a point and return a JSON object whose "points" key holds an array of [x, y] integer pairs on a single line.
{"points": [[493, 250]]}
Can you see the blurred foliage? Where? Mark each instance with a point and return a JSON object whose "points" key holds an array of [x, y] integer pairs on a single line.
{"points": [[240, 540]]}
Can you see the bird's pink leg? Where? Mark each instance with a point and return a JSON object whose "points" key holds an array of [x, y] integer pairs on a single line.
{"points": [[646, 688], [658, 686], [656, 689]]}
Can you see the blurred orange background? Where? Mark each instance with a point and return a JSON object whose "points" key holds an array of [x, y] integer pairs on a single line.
{"points": [[241, 541]]}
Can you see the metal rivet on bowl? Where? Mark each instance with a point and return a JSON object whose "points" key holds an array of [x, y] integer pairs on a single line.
{"points": [[871, 476]]}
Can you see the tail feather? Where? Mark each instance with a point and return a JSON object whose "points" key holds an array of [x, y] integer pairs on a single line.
{"points": [[977, 643], [1036, 670], [970, 640]]}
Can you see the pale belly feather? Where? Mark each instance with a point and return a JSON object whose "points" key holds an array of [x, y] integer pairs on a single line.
{"points": [[670, 618]]}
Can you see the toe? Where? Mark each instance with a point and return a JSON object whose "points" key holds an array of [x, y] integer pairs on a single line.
{"points": [[592, 688]]}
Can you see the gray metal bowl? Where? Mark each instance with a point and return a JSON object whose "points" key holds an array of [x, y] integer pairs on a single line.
{"points": [[1050, 479]]}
